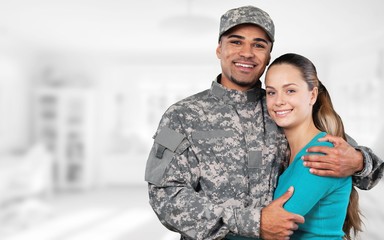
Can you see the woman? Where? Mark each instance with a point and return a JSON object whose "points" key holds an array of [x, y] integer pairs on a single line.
{"points": [[299, 103]]}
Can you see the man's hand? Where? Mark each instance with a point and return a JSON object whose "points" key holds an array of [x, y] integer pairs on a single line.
{"points": [[341, 161], [276, 222]]}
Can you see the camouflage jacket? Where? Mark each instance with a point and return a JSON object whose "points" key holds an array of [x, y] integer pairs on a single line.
{"points": [[215, 162]]}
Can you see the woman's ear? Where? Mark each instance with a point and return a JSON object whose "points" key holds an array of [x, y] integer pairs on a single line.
{"points": [[314, 94]]}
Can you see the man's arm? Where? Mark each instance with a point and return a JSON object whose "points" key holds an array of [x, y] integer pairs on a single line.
{"points": [[346, 160], [173, 174], [176, 200]]}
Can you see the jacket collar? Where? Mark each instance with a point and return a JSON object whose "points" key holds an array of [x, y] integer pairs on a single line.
{"points": [[236, 96]]}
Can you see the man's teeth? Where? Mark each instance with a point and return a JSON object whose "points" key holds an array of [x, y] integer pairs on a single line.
{"points": [[244, 65]]}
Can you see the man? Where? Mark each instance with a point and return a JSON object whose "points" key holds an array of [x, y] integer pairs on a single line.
{"points": [[217, 155]]}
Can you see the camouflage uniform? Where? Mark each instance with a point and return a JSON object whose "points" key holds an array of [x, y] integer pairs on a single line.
{"points": [[215, 162]]}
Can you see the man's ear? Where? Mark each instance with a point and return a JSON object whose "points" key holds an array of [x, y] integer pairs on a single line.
{"points": [[218, 50], [269, 59]]}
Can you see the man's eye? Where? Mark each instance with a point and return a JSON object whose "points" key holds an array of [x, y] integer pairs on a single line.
{"points": [[236, 42], [258, 45]]}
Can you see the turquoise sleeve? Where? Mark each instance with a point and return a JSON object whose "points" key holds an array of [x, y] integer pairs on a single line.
{"points": [[309, 188]]}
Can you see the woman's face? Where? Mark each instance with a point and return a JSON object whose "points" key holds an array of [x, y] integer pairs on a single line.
{"points": [[289, 101]]}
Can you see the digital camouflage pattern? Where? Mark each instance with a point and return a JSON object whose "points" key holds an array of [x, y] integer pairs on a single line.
{"points": [[215, 162], [226, 173], [247, 14]]}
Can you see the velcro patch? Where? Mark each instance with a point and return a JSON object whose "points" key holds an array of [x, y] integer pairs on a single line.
{"points": [[169, 138]]}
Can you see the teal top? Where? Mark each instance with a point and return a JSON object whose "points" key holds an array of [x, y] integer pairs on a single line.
{"points": [[323, 201]]}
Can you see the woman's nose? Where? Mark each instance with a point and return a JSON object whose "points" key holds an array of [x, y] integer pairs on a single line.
{"points": [[280, 100]]}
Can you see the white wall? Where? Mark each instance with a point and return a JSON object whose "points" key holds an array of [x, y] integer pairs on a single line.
{"points": [[14, 109]]}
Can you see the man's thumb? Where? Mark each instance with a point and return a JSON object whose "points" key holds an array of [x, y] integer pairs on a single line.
{"points": [[287, 195]]}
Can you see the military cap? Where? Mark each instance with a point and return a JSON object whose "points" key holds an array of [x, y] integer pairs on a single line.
{"points": [[247, 14]]}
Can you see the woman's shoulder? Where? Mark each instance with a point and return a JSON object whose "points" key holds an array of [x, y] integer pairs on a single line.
{"points": [[315, 141]]}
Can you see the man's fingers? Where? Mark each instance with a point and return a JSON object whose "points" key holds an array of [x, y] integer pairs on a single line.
{"points": [[297, 219], [276, 222], [295, 227], [321, 149], [283, 198], [319, 165], [322, 169], [289, 233], [315, 158], [324, 173], [329, 138], [325, 169]]}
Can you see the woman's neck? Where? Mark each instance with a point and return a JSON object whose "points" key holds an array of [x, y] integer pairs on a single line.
{"points": [[299, 137]]}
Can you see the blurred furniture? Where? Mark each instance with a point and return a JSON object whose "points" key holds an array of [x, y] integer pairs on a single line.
{"points": [[25, 189], [25, 176], [64, 121]]}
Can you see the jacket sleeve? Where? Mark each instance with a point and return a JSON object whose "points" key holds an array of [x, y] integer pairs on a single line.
{"points": [[172, 173], [372, 172], [373, 168]]}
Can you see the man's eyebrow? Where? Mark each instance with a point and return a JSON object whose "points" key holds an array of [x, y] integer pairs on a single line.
{"points": [[260, 40], [241, 37], [236, 36]]}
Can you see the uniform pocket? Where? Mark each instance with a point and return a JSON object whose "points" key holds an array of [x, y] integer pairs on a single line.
{"points": [[156, 167], [167, 144]]}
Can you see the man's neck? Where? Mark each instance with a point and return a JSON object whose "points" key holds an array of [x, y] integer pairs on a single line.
{"points": [[231, 85]]}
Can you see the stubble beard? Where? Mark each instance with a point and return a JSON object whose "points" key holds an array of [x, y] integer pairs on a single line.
{"points": [[242, 83]]}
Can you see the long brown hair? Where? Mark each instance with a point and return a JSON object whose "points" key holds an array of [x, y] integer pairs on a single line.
{"points": [[326, 119]]}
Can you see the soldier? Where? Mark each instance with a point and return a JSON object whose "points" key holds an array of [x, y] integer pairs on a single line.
{"points": [[217, 155]]}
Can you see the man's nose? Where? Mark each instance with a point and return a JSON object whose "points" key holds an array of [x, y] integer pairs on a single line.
{"points": [[247, 51]]}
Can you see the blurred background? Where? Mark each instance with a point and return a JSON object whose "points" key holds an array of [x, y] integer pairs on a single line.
{"points": [[83, 85]]}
